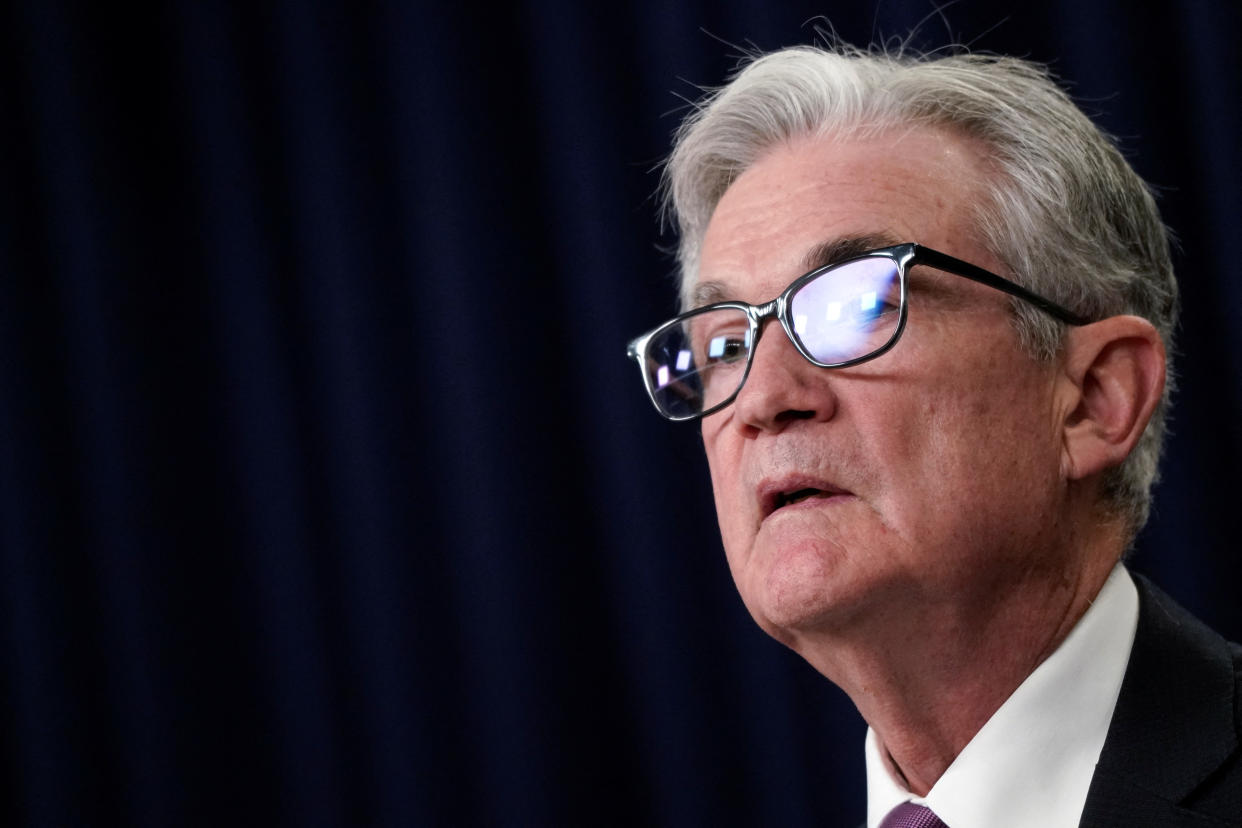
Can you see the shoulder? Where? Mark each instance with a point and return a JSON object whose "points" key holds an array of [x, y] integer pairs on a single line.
{"points": [[1172, 753]]}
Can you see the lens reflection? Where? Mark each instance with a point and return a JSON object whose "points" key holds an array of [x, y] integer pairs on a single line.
{"points": [[699, 361], [848, 311]]}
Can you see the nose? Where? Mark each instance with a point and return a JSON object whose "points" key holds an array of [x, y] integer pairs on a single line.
{"points": [[783, 387]]}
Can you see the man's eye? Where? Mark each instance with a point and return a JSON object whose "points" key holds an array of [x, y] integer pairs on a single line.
{"points": [[726, 348], [862, 309], [851, 314], [871, 310]]}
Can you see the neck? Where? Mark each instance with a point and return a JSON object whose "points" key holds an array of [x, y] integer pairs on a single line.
{"points": [[929, 680]]}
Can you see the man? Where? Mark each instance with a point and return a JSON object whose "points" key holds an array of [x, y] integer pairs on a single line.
{"points": [[928, 319]]}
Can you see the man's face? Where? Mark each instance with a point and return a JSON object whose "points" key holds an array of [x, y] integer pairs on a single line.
{"points": [[934, 469]]}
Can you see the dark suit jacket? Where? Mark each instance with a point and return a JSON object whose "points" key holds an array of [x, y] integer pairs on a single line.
{"points": [[1172, 754]]}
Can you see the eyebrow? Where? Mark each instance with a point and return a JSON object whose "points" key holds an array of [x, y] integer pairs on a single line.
{"points": [[843, 249], [825, 253]]}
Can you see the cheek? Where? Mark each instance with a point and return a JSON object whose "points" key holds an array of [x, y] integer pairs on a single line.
{"points": [[734, 510], [967, 450]]}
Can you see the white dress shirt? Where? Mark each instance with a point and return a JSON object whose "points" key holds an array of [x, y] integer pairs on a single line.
{"points": [[1031, 763]]}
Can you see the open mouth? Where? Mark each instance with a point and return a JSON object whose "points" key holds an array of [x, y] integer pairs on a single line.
{"points": [[779, 497], [798, 496]]}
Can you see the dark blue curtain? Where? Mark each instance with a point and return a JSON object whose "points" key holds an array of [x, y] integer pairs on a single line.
{"points": [[327, 495]]}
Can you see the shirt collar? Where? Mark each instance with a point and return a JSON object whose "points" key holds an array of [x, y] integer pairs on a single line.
{"points": [[1031, 763]]}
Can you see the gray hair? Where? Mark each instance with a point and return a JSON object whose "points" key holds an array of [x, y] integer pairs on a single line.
{"points": [[1063, 210]]}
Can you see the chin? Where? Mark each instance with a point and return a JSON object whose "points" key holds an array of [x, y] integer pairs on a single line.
{"points": [[799, 590]]}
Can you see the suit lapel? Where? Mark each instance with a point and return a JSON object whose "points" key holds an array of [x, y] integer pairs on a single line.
{"points": [[1116, 803], [1174, 722]]}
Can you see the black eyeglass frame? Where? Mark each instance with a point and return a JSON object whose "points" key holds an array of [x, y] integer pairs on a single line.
{"points": [[904, 255]]}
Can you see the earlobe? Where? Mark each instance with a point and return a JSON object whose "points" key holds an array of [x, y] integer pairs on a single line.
{"points": [[1115, 374]]}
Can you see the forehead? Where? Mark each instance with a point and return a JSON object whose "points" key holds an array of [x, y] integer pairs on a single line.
{"points": [[803, 197]]}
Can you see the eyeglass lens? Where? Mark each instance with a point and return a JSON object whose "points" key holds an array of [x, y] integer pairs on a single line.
{"points": [[844, 313]]}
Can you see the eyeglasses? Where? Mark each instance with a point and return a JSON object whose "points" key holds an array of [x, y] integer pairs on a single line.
{"points": [[836, 316]]}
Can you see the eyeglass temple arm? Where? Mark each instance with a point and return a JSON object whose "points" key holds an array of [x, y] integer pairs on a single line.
{"points": [[943, 261]]}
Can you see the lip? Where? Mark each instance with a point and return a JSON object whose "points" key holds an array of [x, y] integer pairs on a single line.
{"points": [[773, 493]]}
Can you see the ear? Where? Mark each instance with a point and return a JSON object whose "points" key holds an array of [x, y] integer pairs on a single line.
{"points": [[1114, 377]]}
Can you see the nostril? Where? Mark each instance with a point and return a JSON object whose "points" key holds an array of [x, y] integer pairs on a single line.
{"points": [[790, 414]]}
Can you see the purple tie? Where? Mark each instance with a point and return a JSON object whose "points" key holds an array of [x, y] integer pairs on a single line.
{"points": [[909, 815]]}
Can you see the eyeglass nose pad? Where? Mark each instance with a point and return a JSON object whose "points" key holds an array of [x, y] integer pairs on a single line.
{"points": [[778, 311], [763, 314], [781, 386], [773, 311]]}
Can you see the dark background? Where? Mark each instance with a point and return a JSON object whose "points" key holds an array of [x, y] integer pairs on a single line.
{"points": [[327, 495]]}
